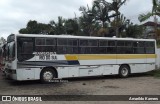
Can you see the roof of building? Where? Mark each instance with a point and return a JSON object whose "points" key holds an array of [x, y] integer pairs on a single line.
{"points": [[151, 24]]}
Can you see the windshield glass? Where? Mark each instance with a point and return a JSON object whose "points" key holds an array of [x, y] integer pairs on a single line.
{"points": [[7, 52], [10, 51]]}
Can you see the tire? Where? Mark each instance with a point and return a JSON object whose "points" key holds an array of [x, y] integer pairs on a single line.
{"points": [[124, 71], [47, 75]]}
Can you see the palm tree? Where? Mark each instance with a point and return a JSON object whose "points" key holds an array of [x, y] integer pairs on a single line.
{"points": [[155, 11], [71, 26], [59, 26], [101, 11], [86, 21], [122, 24], [116, 4]]}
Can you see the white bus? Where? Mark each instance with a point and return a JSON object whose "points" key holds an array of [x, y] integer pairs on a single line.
{"points": [[47, 57]]}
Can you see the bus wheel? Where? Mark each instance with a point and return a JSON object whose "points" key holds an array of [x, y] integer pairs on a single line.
{"points": [[124, 71], [47, 75]]}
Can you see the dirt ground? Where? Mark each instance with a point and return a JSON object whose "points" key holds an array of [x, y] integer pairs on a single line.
{"points": [[140, 84]]}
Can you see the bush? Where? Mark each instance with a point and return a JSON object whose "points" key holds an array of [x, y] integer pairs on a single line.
{"points": [[155, 73]]}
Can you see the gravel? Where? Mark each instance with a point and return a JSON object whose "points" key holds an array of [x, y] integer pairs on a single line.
{"points": [[140, 84]]}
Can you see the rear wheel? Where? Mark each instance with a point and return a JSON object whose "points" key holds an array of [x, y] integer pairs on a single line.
{"points": [[124, 71], [47, 75]]}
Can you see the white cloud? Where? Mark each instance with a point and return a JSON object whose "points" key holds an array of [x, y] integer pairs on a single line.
{"points": [[133, 8]]}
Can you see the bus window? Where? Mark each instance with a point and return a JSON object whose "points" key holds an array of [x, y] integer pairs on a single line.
{"points": [[62, 42], [111, 43], [150, 47], [88, 46], [12, 51], [62, 46], [103, 43], [124, 47], [111, 48], [138, 47], [25, 49], [72, 47], [51, 41], [40, 41]]}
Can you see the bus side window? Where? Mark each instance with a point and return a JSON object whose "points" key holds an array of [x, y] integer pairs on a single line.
{"points": [[62, 46], [89, 46], [40, 41], [150, 47], [72, 47], [103, 46], [111, 48], [124, 47], [139, 47], [25, 48]]}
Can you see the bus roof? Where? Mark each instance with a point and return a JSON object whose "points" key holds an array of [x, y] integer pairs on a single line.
{"points": [[80, 37]]}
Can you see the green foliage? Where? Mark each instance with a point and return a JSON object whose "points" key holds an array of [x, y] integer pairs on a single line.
{"points": [[143, 17], [71, 26], [94, 21], [86, 21], [134, 31], [101, 10], [33, 27], [155, 73], [59, 27], [158, 43], [155, 11]]}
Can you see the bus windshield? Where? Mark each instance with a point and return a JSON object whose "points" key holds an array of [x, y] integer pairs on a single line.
{"points": [[10, 51]]}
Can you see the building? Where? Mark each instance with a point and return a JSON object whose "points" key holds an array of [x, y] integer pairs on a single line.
{"points": [[150, 30]]}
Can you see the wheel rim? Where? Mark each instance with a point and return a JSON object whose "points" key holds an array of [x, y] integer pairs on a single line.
{"points": [[124, 71], [47, 76]]}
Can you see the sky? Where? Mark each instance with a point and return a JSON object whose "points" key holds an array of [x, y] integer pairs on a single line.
{"points": [[15, 14]]}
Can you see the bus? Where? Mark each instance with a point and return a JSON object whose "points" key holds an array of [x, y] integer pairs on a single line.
{"points": [[48, 57], [0, 57]]}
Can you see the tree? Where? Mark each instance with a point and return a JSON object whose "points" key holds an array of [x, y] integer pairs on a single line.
{"points": [[86, 21], [121, 24], [33, 27], [101, 11], [134, 31], [155, 11], [59, 26], [71, 26], [116, 4]]}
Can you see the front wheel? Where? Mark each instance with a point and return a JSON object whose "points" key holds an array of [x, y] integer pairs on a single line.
{"points": [[124, 71], [47, 75]]}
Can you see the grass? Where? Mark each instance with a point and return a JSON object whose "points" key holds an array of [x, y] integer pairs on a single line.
{"points": [[158, 45], [155, 73]]}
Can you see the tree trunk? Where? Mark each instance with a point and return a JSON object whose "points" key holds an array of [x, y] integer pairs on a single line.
{"points": [[117, 27]]}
